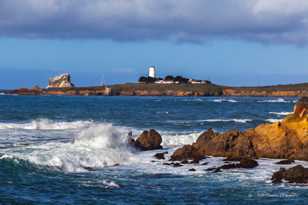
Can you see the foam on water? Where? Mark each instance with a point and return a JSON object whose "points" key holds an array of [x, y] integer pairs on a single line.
{"points": [[221, 100], [273, 120], [281, 113], [229, 120], [210, 120], [278, 100], [46, 124], [171, 140]]}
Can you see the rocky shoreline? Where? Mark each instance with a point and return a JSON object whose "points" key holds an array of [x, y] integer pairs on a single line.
{"points": [[287, 140], [139, 89]]}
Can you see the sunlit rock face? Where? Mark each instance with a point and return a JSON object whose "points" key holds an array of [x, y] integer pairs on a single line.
{"points": [[286, 139], [60, 81]]}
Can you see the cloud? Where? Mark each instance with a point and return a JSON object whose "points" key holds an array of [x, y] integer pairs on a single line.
{"points": [[269, 21]]}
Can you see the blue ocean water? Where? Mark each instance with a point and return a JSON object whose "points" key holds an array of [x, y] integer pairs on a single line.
{"points": [[73, 150]]}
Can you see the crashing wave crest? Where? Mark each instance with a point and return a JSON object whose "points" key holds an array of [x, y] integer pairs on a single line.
{"points": [[94, 148]]}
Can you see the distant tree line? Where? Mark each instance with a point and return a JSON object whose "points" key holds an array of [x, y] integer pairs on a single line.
{"points": [[169, 78]]}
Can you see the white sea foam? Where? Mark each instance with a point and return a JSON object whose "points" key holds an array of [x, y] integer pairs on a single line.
{"points": [[171, 140], [229, 120], [210, 120], [278, 100], [110, 184], [273, 120], [221, 100], [46, 124], [281, 113]]}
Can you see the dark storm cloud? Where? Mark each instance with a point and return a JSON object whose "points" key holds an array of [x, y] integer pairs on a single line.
{"points": [[279, 21]]}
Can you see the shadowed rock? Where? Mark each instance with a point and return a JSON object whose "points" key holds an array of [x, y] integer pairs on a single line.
{"points": [[297, 174], [188, 152], [148, 140], [286, 161], [160, 156]]}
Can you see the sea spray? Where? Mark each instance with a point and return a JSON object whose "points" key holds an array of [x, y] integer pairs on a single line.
{"points": [[94, 148]]}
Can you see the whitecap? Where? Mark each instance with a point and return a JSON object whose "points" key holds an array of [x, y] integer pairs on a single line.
{"points": [[278, 100], [273, 120], [281, 113], [229, 120], [46, 124], [110, 184], [221, 100]]}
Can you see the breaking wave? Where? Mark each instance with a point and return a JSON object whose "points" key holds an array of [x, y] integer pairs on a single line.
{"points": [[93, 148], [46, 124]]}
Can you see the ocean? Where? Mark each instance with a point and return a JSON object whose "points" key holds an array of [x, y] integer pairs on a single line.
{"points": [[73, 150]]}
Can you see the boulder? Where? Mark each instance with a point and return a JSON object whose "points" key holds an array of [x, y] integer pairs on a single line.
{"points": [[244, 163], [148, 140], [60, 81], [286, 161], [187, 152], [297, 174], [160, 156]]}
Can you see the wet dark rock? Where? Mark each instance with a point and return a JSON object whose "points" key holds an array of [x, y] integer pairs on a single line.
{"points": [[297, 174], [192, 170], [160, 156], [286, 161], [244, 163], [177, 164], [232, 159], [248, 163]]}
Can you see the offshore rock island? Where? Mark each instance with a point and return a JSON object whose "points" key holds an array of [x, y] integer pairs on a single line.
{"points": [[155, 86]]}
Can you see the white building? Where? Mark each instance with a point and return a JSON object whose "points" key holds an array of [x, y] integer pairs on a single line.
{"points": [[152, 72]]}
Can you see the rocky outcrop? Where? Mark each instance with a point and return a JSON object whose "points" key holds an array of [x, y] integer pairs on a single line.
{"points": [[188, 152], [301, 108], [148, 140], [297, 174], [245, 163], [286, 161], [60, 81], [287, 139]]}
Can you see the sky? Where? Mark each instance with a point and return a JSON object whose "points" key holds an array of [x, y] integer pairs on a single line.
{"points": [[230, 42]]}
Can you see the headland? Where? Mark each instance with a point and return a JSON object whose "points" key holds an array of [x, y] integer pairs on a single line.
{"points": [[153, 86]]}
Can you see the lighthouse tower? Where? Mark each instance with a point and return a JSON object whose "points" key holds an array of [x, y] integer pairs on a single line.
{"points": [[152, 72]]}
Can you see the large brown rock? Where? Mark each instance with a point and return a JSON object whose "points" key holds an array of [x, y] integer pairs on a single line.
{"points": [[297, 174], [287, 139], [148, 140], [188, 152]]}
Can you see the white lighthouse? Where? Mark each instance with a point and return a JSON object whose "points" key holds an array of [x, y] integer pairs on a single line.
{"points": [[152, 72]]}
